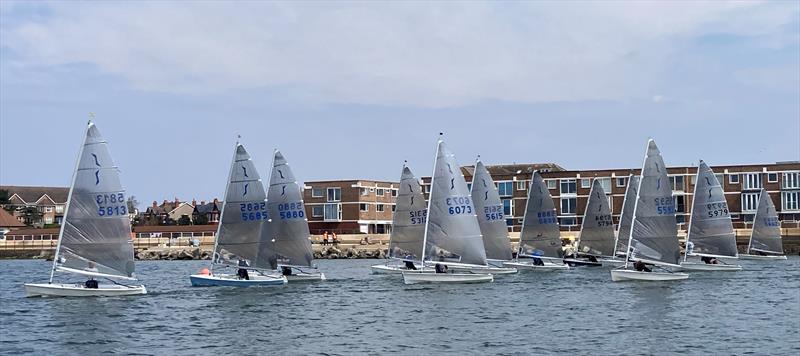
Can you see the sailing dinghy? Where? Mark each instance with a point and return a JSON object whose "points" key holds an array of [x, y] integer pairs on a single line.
{"points": [[765, 239], [408, 227], [241, 241], [711, 234], [654, 231], [596, 243], [95, 237], [540, 238], [288, 224], [452, 235]]}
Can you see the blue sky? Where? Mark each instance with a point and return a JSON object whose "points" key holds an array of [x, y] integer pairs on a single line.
{"points": [[351, 89]]}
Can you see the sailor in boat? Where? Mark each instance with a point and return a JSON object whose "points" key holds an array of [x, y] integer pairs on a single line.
{"points": [[409, 262], [709, 260], [440, 268], [641, 267], [242, 272], [91, 282], [287, 271]]}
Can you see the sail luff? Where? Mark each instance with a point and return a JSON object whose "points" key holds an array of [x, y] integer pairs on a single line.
{"points": [[597, 228], [408, 220], [710, 227], [490, 214]]}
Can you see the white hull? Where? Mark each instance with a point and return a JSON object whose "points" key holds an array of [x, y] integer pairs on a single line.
{"points": [[485, 270], [79, 290], [762, 257], [229, 280], [305, 276], [619, 275], [433, 277], [612, 262], [706, 267], [391, 269], [529, 266]]}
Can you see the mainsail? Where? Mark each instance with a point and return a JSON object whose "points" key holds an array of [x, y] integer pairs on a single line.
{"points": [[597, 228], [96, 232], [540, 234], [239, 237], [766, 235], [710, 228], [288, 225], [452, 232], [491, 219], [626, 218], [654, 232], [408, 221]]}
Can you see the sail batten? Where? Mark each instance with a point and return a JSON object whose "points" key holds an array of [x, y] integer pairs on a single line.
{"points": [[597, 228], [408, 220], [288, 226], [766, 234], [540, 235], [491, 217], [710, 228], [452, 232]]}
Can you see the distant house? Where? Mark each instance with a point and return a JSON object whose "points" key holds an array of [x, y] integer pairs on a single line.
{"points": [[207, 213], [37, 206], [8, 222], [169, 212]]}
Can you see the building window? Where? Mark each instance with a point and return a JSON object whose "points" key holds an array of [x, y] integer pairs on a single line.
{"points": [[568, 205], [394, 207], [505, 189], [379, 207], [48, 209], [469, 187], [750, 201], [59, 208], [790, 201], [394, 192], [568, 221], [551, 184], [790, 180], [621, 181], [680, 219], [568, 186], [752, 181], [427, 188], [363, 207], [317, 193], [520, 185], [317, 211], [676, 182], [720, 178], [380, 191], [772, 177], [680, 203], [333, 212], [508, 207], [334, 194], [364, 192], [48, 219], [606, 184], [586, 182], [733, 179]]}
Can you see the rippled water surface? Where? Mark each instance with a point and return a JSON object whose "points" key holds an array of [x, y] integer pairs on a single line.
{"points": [[756, 311]]}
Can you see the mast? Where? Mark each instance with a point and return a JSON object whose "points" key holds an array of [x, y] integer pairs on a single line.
{"points": [[69, 199], [222, 211], [427, 215], [691, 220]]}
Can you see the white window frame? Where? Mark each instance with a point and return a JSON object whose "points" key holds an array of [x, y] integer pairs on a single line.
{"points": [[750, 202], [551, 184], [573, 217], [567, 181], [363, 191], [380, 191], [395, 192], [339, 212], [574, 207], [334, 189], [48, 209], [363, 207], [314, 213], [510, 207], [379, 208], [321, 192], [752, 181], [586, 183], [520, 185], [791, 180], [790, 204], [720, 178], [607, 189], [505, 183], [772, 180], [733, 179], [624, 181]]}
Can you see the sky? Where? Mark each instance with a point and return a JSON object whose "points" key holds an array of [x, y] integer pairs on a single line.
{"points": [[349, 90]]}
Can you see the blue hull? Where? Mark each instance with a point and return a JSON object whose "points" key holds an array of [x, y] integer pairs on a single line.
{"points": [[206, 281]]}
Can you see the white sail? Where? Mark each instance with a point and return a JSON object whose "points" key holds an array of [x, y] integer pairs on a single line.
{"points": [[288, 226], [408, 220], [95, 236], [626, 217], [654, 233], [244, 213], [490, 214], [766, 235], [451, 232], [710, 228], [540, 235], [597, 228]]}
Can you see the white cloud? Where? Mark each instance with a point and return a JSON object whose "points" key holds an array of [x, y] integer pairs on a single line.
{"points": [[439, 54]]}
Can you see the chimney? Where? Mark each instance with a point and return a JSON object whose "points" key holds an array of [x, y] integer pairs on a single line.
{"points": [[155, 204], [194, 202], [177, 202], [164, 203], [202, 202]]}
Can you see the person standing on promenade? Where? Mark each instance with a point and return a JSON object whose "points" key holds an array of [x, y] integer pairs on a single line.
{"points": [[325, 238], [335, 240]]}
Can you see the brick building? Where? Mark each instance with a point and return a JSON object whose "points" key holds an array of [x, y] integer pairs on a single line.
{"points": [[350, 206], [36, 206]]}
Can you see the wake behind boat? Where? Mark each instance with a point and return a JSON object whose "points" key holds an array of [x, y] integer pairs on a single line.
{"points": [[765, 238], [95, 237], [654, 231], [242, 240], [452, 234]]}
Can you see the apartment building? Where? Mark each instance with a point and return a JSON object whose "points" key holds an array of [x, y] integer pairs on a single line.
{"points": [[350, 206]]}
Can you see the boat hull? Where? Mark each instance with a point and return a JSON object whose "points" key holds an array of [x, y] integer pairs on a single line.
{"points": [[305, 277], [485, 270], [762, 257], [576, 262], [706, 267], [390, 269], [79, 290], [621, 275], [227, 280], [433, 277], [529, 266]]}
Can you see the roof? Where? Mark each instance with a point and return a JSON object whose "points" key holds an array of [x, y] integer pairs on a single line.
{"points": [[32, 194], [205, 208], [8, 220], [512, 169]]}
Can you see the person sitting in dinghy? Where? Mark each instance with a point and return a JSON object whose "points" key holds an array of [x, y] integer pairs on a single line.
{"points": [[641, 267], [242, 272], [709, 260], [409, 262], [91, 282], [287, 271], [440, 268]]}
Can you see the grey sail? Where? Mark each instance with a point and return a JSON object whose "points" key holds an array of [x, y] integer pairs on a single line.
{"points": [[288, 226], [96, 232], [654, 232], [766, 235], [452, 232], [490, 214], [710, 228], [597, 228], [408, 220], [626, 218], [540, 234], [244, 214]]}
